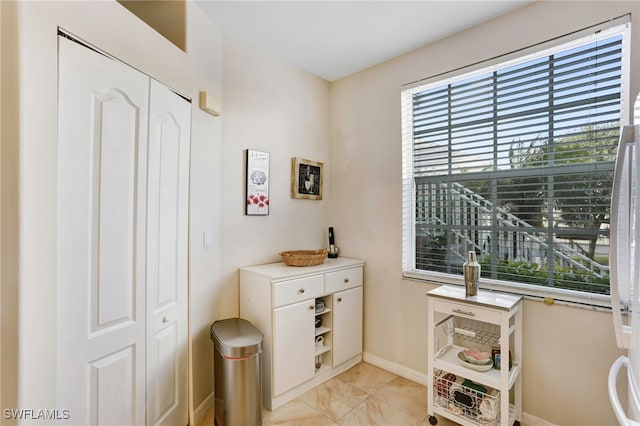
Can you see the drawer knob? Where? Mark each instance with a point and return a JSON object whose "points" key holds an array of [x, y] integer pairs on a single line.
{"points": [[301, 291], [346, 280], [339, 299], [312, 308]]}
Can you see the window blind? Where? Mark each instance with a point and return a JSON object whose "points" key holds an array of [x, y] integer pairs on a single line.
{"points": [[515, 162]]}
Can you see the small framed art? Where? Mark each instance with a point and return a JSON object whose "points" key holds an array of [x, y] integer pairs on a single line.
{"points": [[306, 179], [257, 183]]}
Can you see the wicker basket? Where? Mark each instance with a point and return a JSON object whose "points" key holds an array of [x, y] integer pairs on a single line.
{"points": [[304, 257]]}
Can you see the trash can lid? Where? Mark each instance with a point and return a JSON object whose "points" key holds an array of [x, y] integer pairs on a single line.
{"points": [[236, 338]]}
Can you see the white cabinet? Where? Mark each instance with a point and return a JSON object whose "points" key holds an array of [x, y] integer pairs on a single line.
{"points": [[311, 318], [472, 393]]}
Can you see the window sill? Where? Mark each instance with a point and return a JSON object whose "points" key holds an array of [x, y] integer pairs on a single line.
{"points": [[531, 292]]}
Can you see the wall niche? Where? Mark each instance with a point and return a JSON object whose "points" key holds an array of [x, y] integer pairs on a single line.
{"points": [[166, 17]]}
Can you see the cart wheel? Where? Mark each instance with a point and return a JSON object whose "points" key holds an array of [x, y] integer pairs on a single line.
{"points": [[433, 420]]}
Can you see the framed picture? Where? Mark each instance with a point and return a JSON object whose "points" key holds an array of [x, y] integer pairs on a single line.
{"points": [[306, 179], [257, 183]]}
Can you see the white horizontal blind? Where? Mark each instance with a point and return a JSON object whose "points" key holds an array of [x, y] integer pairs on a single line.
{"points": [[516, 162]]}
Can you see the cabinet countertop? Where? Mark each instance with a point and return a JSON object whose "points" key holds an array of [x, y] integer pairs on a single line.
{"points": [[491, 299], [279, 270]]}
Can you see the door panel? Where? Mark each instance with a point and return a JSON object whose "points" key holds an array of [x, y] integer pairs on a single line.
{"points": [[347, 325], [293, 345], [165, 348], [110, 388], [103, 108], [113, 209], [167, 248]]}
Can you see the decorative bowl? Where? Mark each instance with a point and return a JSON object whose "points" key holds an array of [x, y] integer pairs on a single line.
{"points": [[477, 357], [304, 257], [477, 367]]}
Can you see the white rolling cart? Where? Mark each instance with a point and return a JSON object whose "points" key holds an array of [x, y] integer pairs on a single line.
{"points": [[467, 393]]}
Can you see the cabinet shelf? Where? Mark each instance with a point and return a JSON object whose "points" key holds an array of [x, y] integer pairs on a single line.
{"points": [[323, 368], [326, 311], [322, 350], [322, 330]]}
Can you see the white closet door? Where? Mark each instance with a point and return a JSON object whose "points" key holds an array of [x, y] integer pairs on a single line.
{"points": [[167, 248], [103, 109]]}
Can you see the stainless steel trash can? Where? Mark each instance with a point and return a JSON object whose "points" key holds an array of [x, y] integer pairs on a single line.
{"points": [[237, 368]]}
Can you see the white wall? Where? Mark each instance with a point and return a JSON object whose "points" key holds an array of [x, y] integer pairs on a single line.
{"points": [[366, 210], [29, 77]]}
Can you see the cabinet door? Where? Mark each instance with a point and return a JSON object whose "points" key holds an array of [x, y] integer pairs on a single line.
{"points": [[347, 325], [293, 345]]}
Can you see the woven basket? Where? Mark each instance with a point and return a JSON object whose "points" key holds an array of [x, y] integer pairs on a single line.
{"points": [[304, 257]]}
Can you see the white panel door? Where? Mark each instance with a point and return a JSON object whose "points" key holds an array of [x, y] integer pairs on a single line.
{"points": [[293, 345], [167, 248], [103, 109], [347, 325]]}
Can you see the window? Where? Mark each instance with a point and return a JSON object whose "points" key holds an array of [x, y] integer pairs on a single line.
{"points": [[515, 162]]}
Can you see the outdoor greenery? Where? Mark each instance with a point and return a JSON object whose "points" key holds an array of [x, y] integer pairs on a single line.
{"points": [[533, 273]]}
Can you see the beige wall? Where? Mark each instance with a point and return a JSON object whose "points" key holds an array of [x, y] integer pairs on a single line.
{"points": [[559, 386], [29, 77], [283, 110], [9, 211], [274, 107]]}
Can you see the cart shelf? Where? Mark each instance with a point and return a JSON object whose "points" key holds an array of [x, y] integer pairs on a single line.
{"points": [[460, 419], [447, 359]]}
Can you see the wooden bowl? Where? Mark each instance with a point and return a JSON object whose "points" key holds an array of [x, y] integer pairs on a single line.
{"points": [[304, 257]]}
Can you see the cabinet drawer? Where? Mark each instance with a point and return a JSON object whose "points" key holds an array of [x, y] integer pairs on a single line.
{"points": [[342, 280], [467, 311], [287, 292]]}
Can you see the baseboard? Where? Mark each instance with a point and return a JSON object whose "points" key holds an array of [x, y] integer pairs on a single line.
{"points": [[203, 409], [392, 367], [530, 420], [416, 376]]}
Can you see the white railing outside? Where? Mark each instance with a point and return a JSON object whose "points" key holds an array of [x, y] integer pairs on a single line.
{"points": [[471, 229]]}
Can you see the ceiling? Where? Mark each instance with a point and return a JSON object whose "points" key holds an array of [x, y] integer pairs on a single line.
{"points": [[333, 39]]}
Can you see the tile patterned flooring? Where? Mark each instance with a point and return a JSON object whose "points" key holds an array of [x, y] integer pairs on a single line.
{"points": [[363, 395]]}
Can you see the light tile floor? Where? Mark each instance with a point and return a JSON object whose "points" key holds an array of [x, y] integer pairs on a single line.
{"points": [[363, 395]]}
